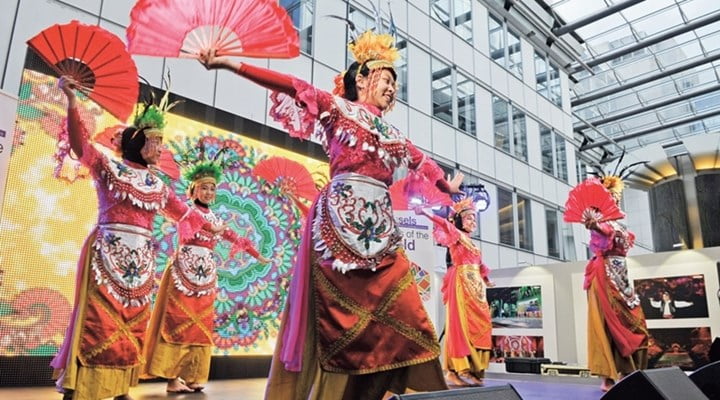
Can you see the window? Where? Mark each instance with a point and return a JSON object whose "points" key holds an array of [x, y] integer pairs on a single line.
{"points": [[553, 233], [505, 217], [301, 12], [505, 46], [581, 170], [515, 220], [454, 14], [510, 128], [362, 23], [561, 243], [453, 96], [466, 103], [554, 157], [524, 223], [547, 78], [442, 93]]}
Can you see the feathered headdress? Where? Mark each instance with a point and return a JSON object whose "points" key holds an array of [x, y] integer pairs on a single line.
{"points": [[152, 116], [466, 204], [614, 182], [373, 48], [201, 163]]}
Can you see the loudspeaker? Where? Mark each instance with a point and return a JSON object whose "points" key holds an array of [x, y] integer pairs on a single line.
{"points": [[501, 392], [707, 379], [655, 384]]}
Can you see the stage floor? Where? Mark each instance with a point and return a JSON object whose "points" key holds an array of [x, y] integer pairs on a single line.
{"points": [[530, 387]]}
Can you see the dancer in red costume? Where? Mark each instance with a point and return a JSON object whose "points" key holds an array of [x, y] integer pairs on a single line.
{"points": [[617, 333], [354, 325], [468, 326], [179, 338], [102, 351]]}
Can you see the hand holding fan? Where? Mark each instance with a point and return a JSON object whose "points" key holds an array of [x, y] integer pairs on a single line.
{"points": [[407, 194], [96, 59], [186, 28], [590, 200], [290, 177]]}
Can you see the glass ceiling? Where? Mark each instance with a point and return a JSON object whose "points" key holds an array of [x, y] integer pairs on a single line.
{"points": [[672, 101]]}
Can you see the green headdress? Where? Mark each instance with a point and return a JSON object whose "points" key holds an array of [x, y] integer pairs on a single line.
{"points": [[152, 117]]}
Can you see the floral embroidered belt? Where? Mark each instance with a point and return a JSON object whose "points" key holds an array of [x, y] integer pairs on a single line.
{"points": [[354, 222], [124, 262], [616, 270], [194, 272]]}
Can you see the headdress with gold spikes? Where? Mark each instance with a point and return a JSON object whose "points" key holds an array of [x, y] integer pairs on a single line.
{"points": [[614, 182], [373, 48], [466, 204]]}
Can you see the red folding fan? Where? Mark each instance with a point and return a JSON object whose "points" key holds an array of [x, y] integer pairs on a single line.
{"points": [[292, 177], [590, 198], [184, 28], [406, 194], [96, 59]]}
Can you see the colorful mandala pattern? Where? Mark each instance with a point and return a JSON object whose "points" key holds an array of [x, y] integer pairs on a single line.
{"points": [[251, 295]]}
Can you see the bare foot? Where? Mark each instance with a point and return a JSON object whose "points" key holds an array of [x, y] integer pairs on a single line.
{"points": [[177, 386], [452, 379], [607, 384], [469, 378], [198, 387]]}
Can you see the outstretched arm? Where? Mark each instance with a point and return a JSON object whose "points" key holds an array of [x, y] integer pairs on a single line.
{"points": [[267, 78], [427, 168], [77, 134], [444, 232], [242, 244]]}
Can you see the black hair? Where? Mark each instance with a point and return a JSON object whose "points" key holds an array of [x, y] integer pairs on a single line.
{"points": [[132, 144], [349, 84]]}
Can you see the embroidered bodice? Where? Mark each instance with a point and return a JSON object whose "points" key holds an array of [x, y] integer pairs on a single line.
{"points": [[128, 193], [355, 136], [613, 239], [462, 249]]}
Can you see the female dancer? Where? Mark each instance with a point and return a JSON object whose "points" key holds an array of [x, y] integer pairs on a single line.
{"points": [[103, 344], [179, 339], [617, 333], [354, 325], [468, 323]]}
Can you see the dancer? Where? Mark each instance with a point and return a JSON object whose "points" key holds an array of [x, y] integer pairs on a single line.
{"points": [[354, 325], [617, 333], [179, 338], [103, 344], [468, 325], [667, 306]]}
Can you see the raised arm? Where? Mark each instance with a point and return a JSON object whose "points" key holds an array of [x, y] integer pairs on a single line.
{"points": [[425, 167], [444, 232], [78, 136], [267, 78]]}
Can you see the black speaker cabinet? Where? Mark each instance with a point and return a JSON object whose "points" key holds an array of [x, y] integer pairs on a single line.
{"points": [[502, 392], [655, 384], [707, 379]]}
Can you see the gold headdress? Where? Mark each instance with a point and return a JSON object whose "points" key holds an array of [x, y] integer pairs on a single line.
{"points": [[374, 50], [466, 204]]}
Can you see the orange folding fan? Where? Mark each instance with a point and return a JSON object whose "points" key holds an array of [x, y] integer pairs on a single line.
{"points": [[185, 28], [96, 59]]}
